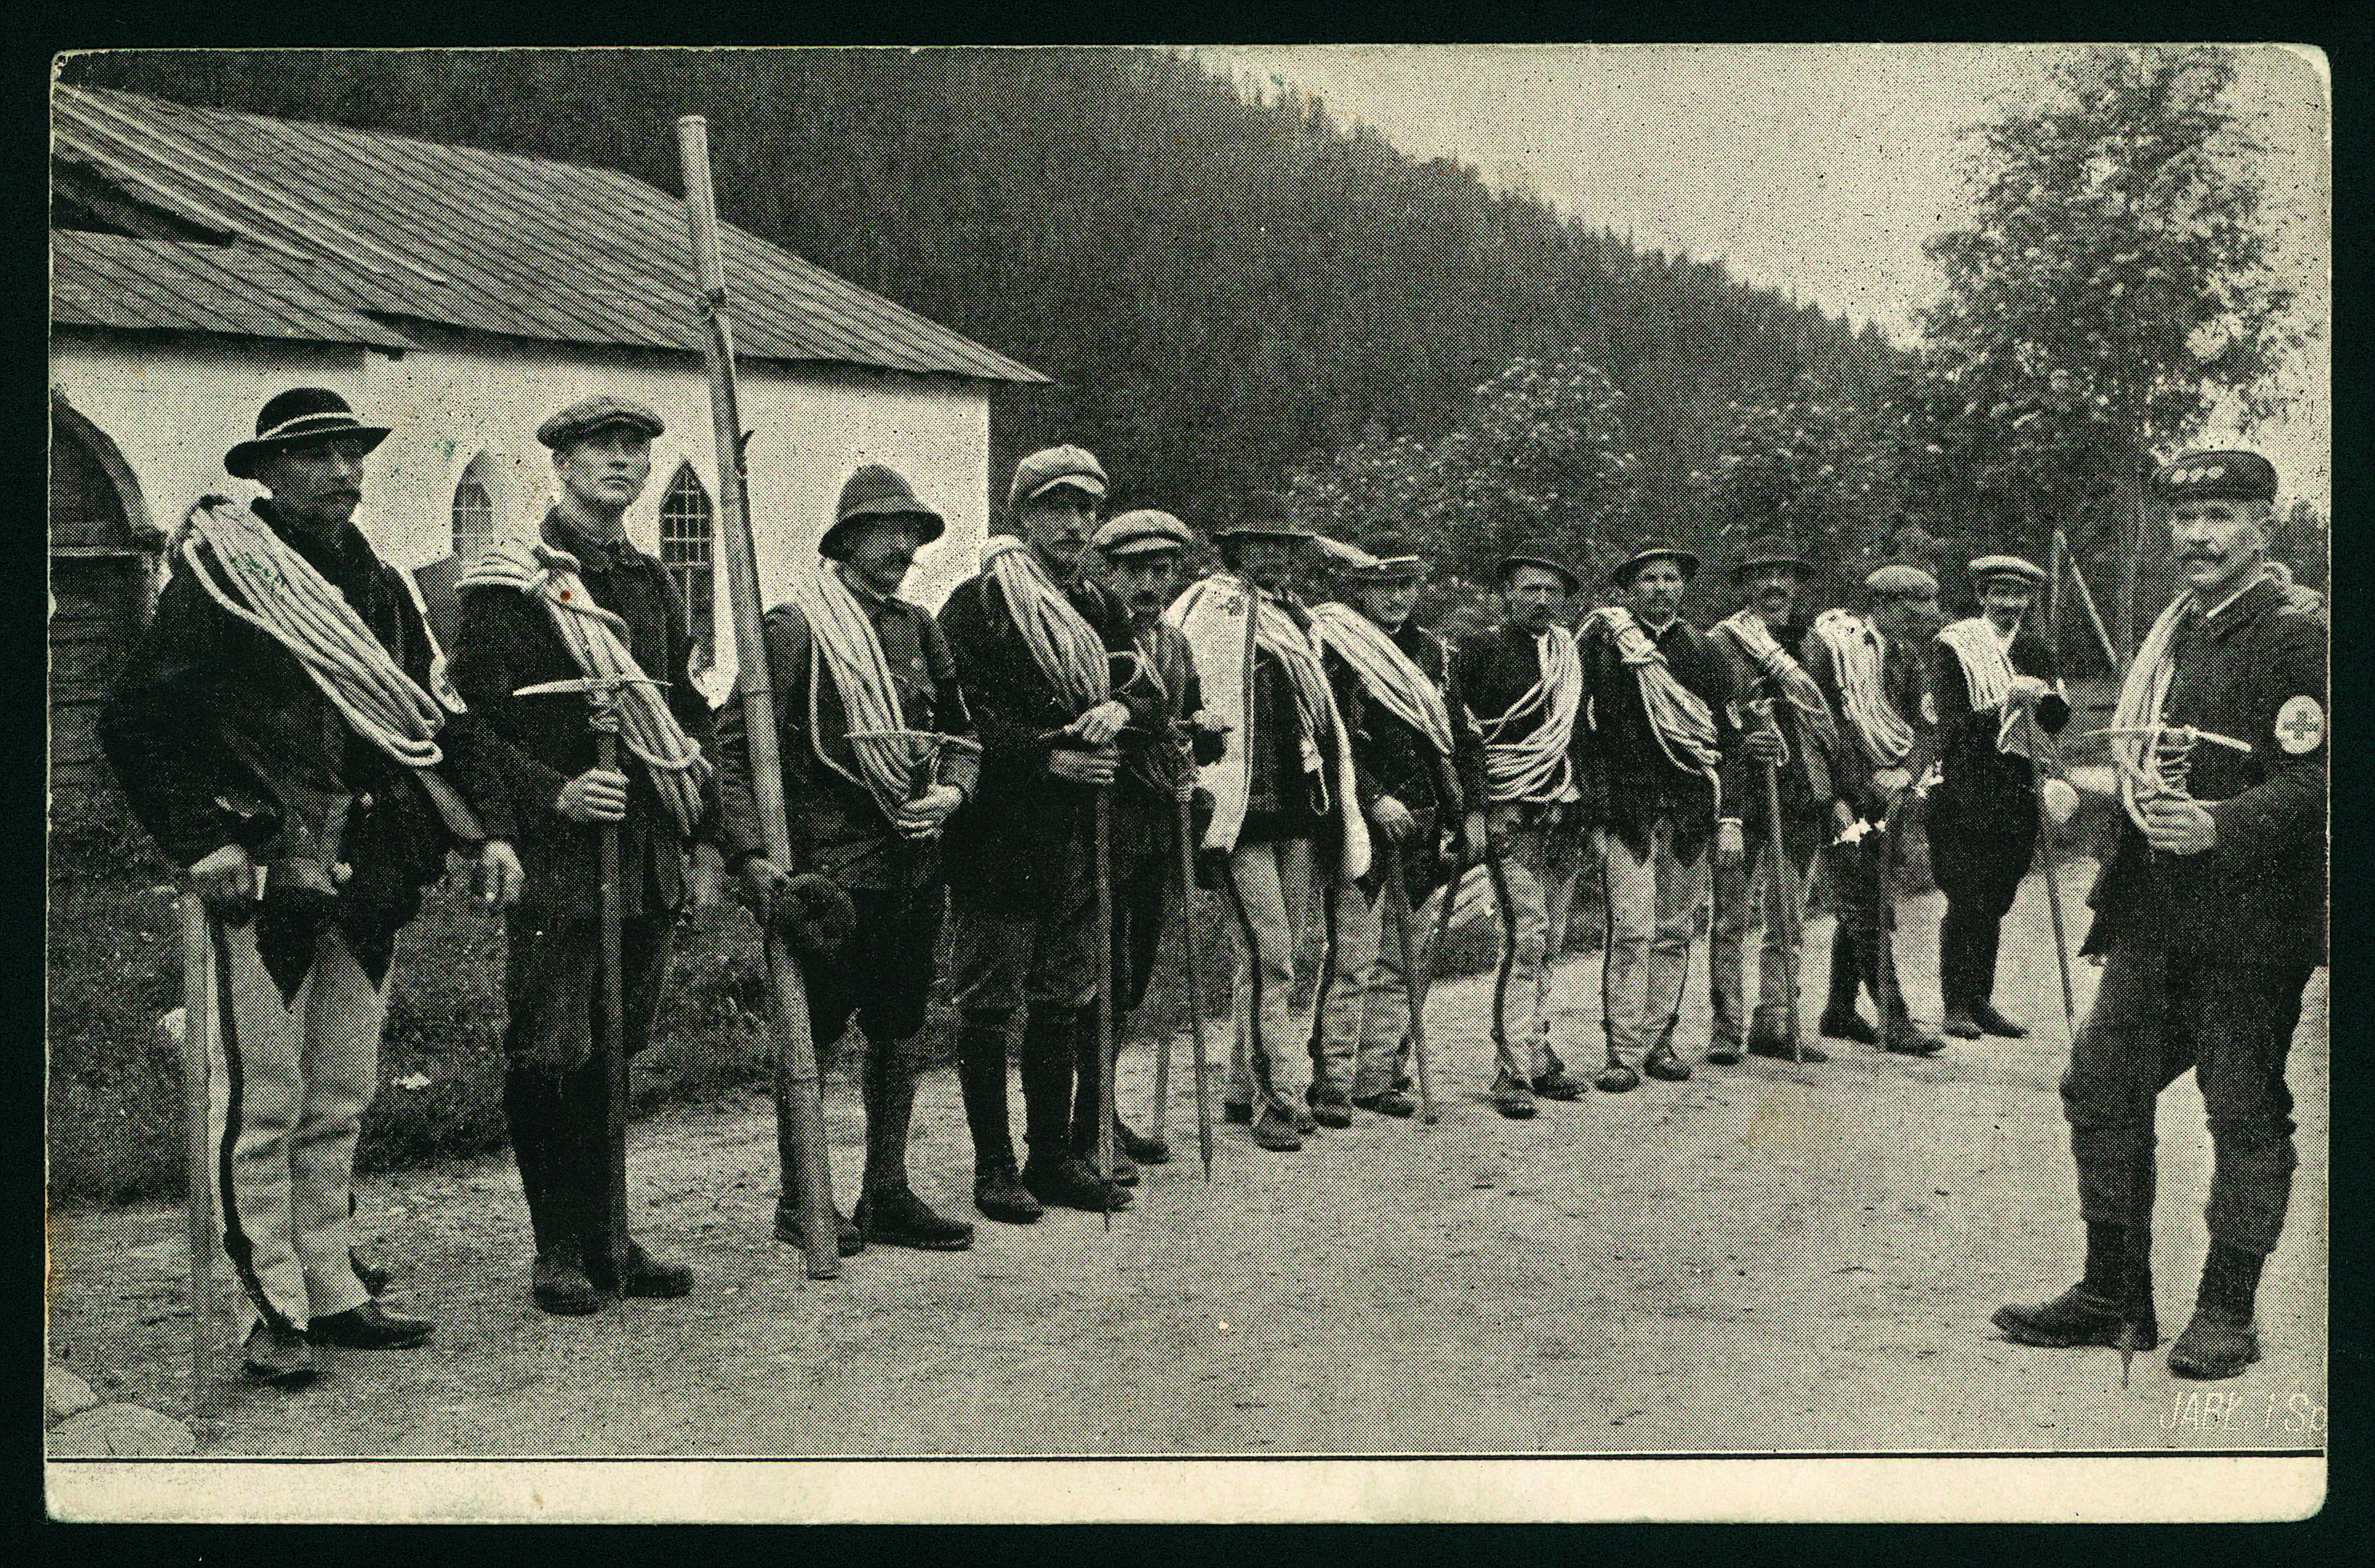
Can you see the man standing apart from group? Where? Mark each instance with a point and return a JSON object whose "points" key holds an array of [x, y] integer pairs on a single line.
{"points": [[1521, 690], [1035, 637], [1990, 676], [2210, 917], [877, 752], [1787, 722], [582, 601], [1870, 669], [1286, 813], [1661, 704], [1418, 768]]}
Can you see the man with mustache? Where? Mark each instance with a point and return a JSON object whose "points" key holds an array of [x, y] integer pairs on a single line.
{"points": [[1035, 636], [1786, 720], [2209, 920], [1168, 737], [309, 835], [1990, 676]]}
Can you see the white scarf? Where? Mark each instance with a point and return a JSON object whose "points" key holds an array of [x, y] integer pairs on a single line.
{"points": [[1987, 675], [596, 641], [1211, 614], [843, 644], [1063, 645], [260, 578], [1755, 638], [1393, 681], [1536, 768], [1858, 654], [1678, 716]]}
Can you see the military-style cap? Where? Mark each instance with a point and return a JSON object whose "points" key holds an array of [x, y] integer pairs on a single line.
{"points": [[876, 492], [1688, 560], [588, 415], [1392, 561], [1264, 515], [299, 414], [1509, 563], [1141, 532], [1989, 567], [2217, 476], [1897, 580], [1043, 471], [1772, 550]]}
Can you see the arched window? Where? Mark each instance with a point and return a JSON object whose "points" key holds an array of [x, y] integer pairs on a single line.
{"points": [[474, 513], [685, 551]]}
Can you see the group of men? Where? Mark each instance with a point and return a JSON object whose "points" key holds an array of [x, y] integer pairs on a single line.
{"points": [[1024, 765]]}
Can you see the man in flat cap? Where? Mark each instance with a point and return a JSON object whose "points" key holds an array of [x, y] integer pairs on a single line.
{"points": [[1871, 669], [580, 601], [1287, 829], [1168, 737], [1997, 692], [1540, 791], [295, 774], [1659, 697], [876, 751], [1785, 719], [1035, 635], [1418, 764], [2210, 917]]}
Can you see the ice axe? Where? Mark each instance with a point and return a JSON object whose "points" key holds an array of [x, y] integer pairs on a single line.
{"points": [[601, 694]]}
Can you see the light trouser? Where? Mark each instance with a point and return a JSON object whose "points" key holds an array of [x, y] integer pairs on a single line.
{"points": [[285, 1090], [1271, 899], [1782, 947], [1653, 907], [1367, 1031], [1532, 872]]}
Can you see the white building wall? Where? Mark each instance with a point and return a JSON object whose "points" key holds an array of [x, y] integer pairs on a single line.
{"points": [[175, 405]]}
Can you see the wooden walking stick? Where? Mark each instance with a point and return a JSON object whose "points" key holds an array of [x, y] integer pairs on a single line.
{"points": [[799, 1097], [1785, 907], [2049, 751], [1414, 989], [1195, 986], [197, 1045], [2085, 598], [1102, 870]]}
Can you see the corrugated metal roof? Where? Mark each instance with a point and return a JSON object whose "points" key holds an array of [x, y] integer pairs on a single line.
{"points": [[169, 284], [489, 242]]}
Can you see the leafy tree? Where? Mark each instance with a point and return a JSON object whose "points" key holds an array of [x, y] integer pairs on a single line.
{"points": [[1810, 466]]}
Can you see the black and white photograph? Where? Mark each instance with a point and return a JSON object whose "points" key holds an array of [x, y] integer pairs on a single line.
{"points": [[1190, 783]]}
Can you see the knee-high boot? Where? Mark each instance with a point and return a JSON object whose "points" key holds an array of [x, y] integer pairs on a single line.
{"points": [[981, 1074], [531, 1107], [1049, 1046], [888, 1212]]}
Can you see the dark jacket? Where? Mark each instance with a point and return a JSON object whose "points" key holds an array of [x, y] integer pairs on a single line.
{"points": [[1392, 757], [1804, 779], [837, 825], [1002, 842], [537, 744], [1492, 669], [1642, 784], [1161, 698], [1285, 798], [1904, 678], [2259, 894], [214, 726], [1986, 793]]}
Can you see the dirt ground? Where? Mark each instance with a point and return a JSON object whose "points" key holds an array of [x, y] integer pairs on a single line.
{"points": [[1762, 1258]]}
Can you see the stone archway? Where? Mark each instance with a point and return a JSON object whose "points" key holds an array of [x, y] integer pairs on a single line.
{"points": [[102, 554]]}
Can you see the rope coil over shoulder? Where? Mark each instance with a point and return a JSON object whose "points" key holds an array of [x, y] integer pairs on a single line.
{"points": [[596, 641], [1678, 716], [1750, 634], [1987, 675], [1392, 681], [847, 649], [1537, 767], [1857, 654], [1063, 645]]}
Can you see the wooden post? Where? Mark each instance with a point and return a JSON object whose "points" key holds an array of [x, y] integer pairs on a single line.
{"points": [[198, 1046]]}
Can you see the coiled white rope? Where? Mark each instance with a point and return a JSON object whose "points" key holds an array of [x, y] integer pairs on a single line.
{"points": [[1538, 767], [1063, 645], [1856, 652], [1678, 716], [845, 645]]}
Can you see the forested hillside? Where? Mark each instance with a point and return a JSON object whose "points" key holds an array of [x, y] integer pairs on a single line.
{"points": [[1223, 288]]}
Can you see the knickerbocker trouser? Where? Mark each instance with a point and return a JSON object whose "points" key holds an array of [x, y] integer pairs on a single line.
{"points": [[287, 1089], [2155, 1014], [1653, 906]]}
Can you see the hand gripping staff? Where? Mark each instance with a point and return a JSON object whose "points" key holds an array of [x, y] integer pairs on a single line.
{"points": [[1784, 908], [799, 1096], [601, 694]]}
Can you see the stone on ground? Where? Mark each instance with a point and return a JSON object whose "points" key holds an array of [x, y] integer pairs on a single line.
{"points": [[119, 1431]]}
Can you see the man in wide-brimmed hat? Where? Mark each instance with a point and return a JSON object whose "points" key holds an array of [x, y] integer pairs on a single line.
{"points": [[1419, 764], [1287, 828], [874, 741], [1035, 635], [1785, 719], [1521, 687], [1992, 677], [308, 817], [1660, 702]]}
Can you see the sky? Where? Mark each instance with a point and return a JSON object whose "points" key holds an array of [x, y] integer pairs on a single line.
{"points": [[1814, 168]]}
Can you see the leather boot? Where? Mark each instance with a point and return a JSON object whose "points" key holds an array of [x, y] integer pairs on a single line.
{"points": [[2221, 1340], [981, 1074], [1088, 1078], [369, 1326], [1512, 1097], [895, 1217], [2111, 1304], [1990, 1022], [1615, 1077], [278, 1354], [1769, 1035], [1047, 1071], [1664, 1063], [1330, 1106], [559, 1283], [1554, 1083], [1066, 1180], [1146, 1150], [644, 1275]]}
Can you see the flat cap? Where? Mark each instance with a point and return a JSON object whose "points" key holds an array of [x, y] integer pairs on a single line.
{"points": [[2217, 476], [588, 415], [1136, 533], [1898, 581], [1687, 560], [1989, 566], [1772, 550], [1043, 470], [1541, 562], [876, 492], [1264, 513]]}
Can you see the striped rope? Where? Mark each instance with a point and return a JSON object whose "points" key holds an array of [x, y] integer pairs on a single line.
{"points": [[1858, 654], [1063, 645], [1537, 767]]}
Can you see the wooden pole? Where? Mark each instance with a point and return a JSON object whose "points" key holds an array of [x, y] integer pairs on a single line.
{"points": [[613, 1044], [1102, 870], [197, 1045], [2094, 615], [1414, 985], [799, 1097], [1195, 986]]}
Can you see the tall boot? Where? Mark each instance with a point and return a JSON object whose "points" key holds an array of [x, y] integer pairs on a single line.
{"points": [[2222, 1339], [1899, 1033], [1088, 1083], [997, 1190], [1840, 1021], [530, 1108], [1955, 940], [2111, 1304], [1055, 1173], [888, 1210], [1983, 986]]}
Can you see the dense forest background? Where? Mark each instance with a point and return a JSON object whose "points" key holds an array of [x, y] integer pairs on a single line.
{"points": [[1224, 290]]}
